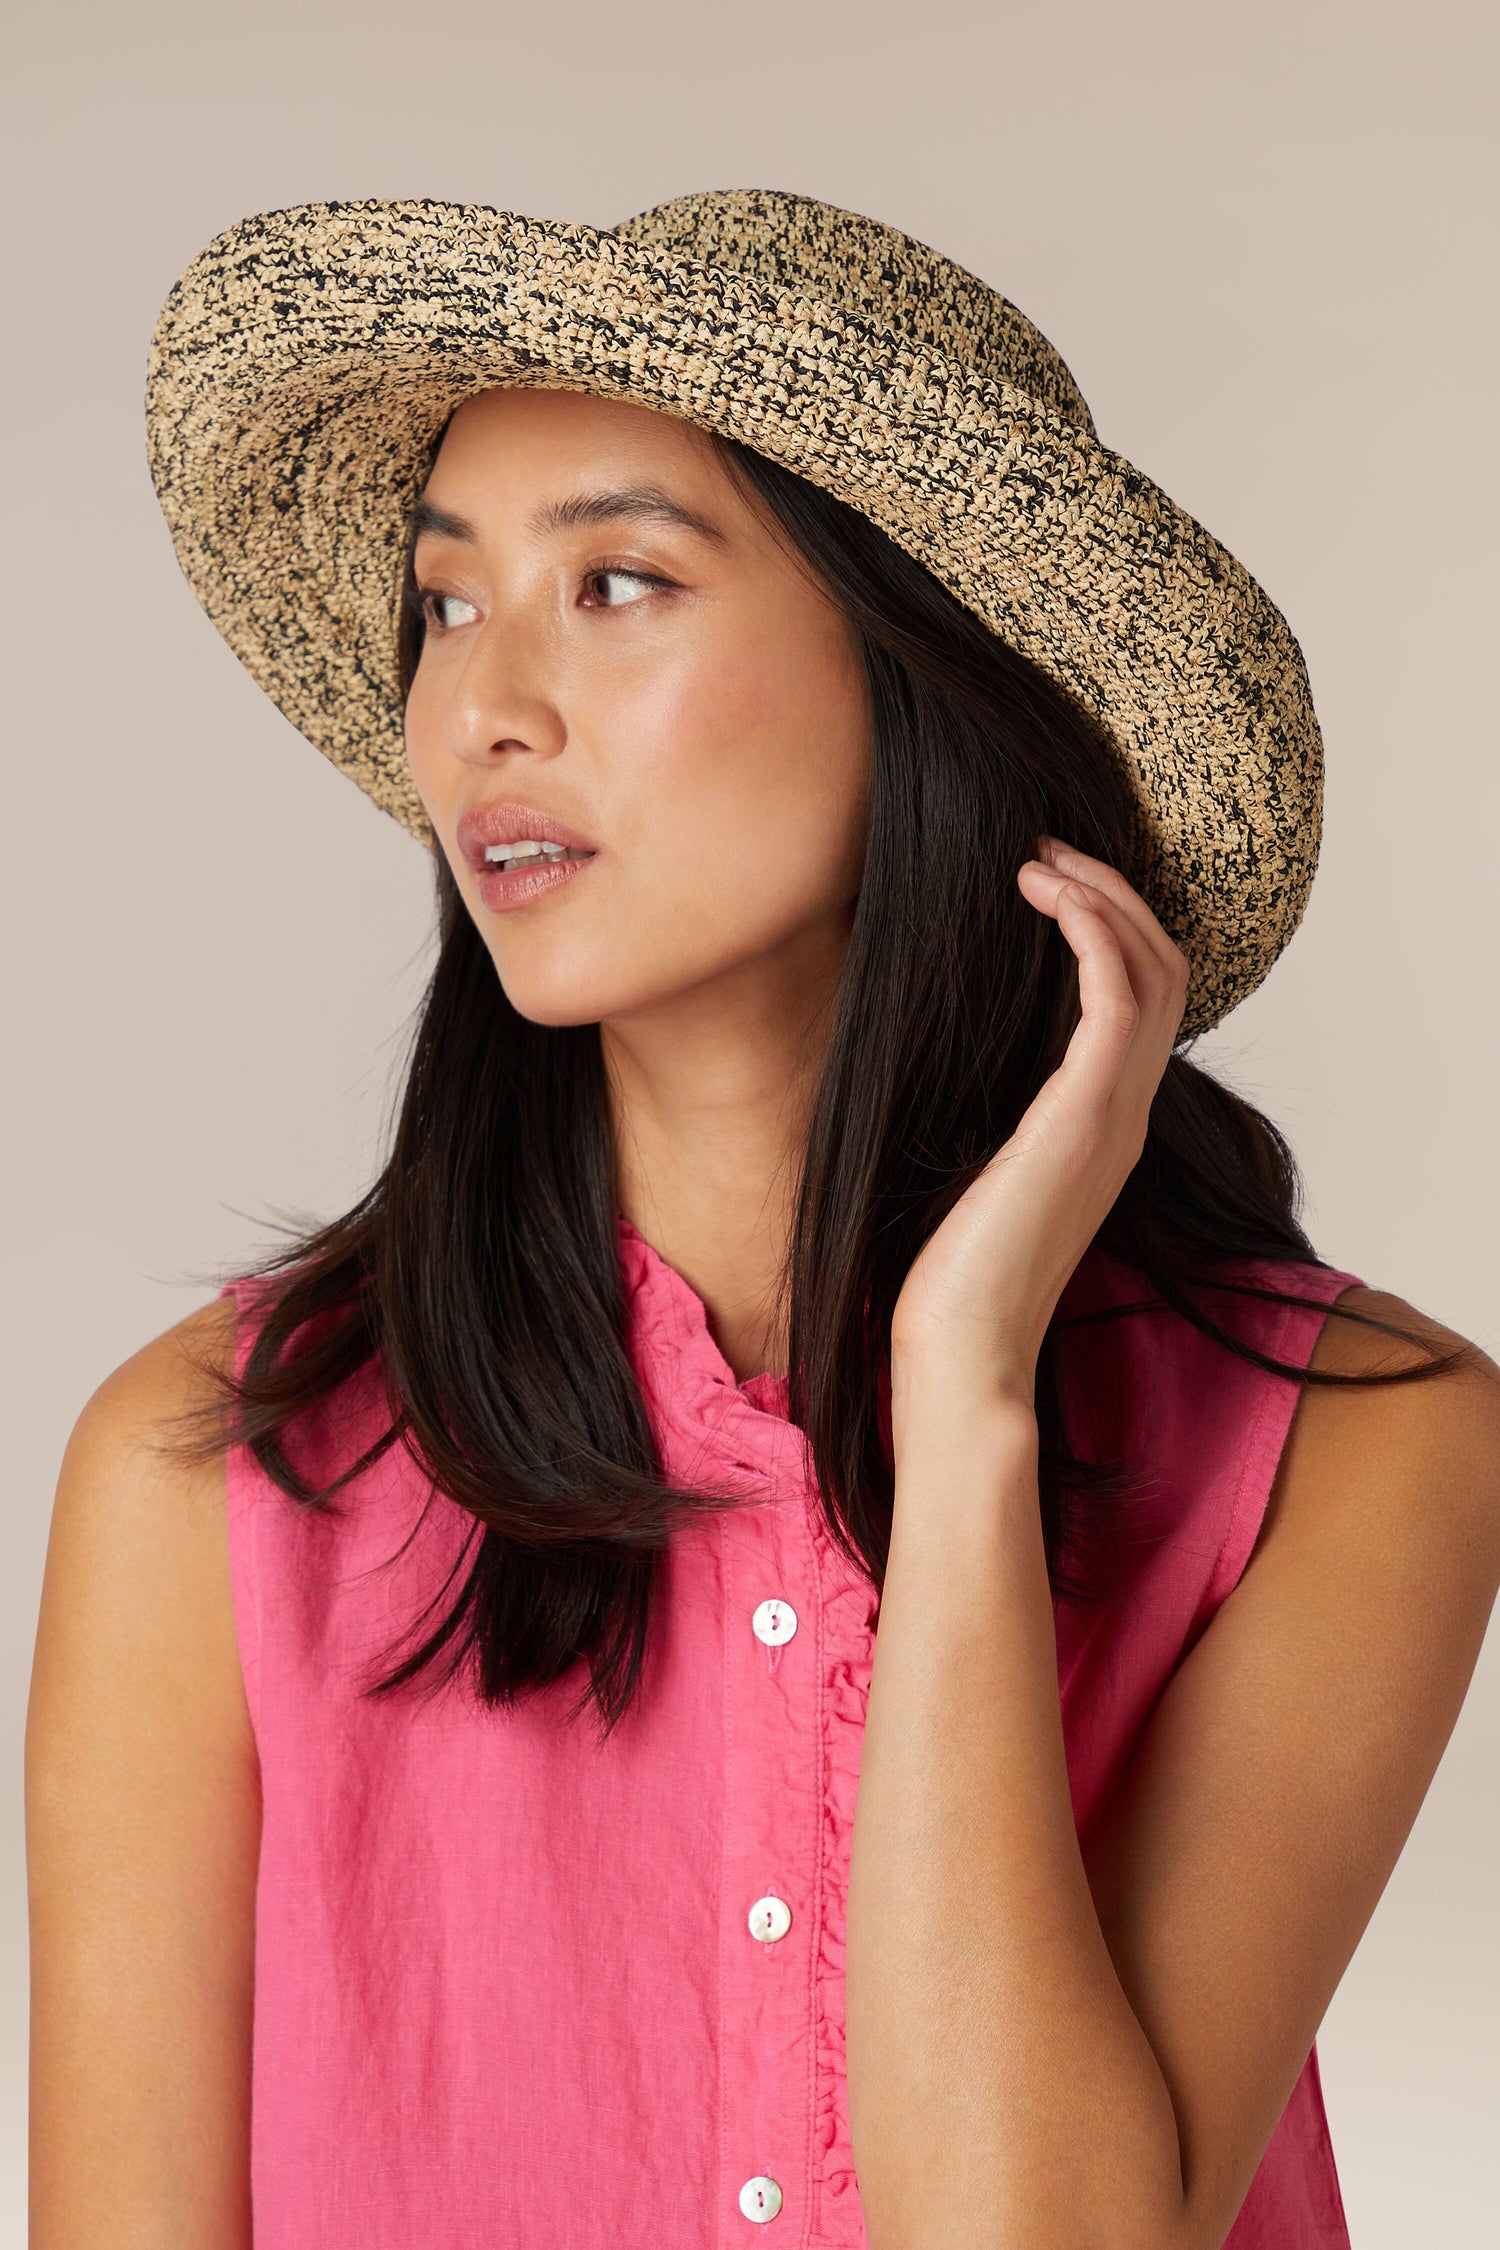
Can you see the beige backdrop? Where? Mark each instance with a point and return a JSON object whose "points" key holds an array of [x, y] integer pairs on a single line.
{"points": [[1263, 239]]}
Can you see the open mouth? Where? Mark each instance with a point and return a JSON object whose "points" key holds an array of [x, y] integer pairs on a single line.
{"points": [[512, 856], [514, 882]]}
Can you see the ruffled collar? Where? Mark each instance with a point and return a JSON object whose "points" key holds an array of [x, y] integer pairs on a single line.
{"points": [[671, 1337], [669, 1320]]}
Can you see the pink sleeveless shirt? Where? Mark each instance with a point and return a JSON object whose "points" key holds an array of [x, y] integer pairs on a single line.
{"points": [[517, 1991]]}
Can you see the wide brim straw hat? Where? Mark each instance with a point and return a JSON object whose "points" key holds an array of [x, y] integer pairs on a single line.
{"points": [[302, 367]]}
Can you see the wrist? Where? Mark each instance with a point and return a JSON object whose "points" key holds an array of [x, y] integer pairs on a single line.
{"points": [[934, 1417], [965, 1491], [940, 1389]]}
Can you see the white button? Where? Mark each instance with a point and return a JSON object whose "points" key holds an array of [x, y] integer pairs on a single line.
{"points": [[760, 2198], [774, 1622], [770, 1918]]}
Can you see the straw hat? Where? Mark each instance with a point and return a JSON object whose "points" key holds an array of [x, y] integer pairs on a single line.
{"points": [[301, 369]]}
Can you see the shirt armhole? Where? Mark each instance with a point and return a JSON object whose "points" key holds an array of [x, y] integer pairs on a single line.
{"points": [[1294, 1339], [242, 1482]]}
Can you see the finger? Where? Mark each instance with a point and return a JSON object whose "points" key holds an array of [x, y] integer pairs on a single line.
{"points": [[1096, 1064], [1158, 969], [1129, 1040], [1084, 868], [1159, 980]]}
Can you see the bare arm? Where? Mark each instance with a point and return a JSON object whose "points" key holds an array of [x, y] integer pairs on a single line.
{"points": [[143, 1835], [1049, 2051]]}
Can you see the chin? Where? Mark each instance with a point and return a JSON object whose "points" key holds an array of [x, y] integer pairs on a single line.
{"points": [[554, 1004], [558, 996], [599, 993]]}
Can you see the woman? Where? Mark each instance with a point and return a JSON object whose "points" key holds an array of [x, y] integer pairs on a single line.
{"points": [[814, 1322]]}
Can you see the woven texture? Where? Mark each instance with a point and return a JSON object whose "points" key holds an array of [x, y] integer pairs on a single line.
{"points": [[302, 366]]}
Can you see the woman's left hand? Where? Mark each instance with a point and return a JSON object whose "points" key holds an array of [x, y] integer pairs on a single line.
{"points": [[974, 1308]]}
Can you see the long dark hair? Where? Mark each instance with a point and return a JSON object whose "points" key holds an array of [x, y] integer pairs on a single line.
{"points": [[480, 1274]]}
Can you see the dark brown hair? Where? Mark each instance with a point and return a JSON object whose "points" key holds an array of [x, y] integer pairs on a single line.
{"points": [[480, 1272]]}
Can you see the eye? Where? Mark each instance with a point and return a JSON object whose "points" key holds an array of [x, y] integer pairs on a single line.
{"points": [[432, 603], [608, 571]]}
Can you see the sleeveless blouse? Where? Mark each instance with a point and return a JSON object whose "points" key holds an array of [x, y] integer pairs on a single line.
{"points": [[518, 1990]]}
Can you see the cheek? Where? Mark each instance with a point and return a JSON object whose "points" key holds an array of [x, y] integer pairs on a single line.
{"points": [[755, 784]]}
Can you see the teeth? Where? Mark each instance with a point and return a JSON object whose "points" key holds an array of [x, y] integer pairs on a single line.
{"points": [[528, 848]]}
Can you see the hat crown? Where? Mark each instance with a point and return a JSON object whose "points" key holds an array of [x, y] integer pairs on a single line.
{"points": [[861, 267]]}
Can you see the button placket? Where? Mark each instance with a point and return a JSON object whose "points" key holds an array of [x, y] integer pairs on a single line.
{"points": [[772, 1770]]}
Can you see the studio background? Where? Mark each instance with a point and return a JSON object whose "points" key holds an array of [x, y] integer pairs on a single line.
{"points": [[1263, 241]]}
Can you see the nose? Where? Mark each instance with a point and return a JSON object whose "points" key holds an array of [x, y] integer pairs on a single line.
{"points": [[503, 697]]}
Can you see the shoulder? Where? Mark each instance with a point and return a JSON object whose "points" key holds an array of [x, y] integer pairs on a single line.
{"points": [[163, 1378], [1462, 1404], [1353, 1346], [1396, 1484], [136, 1583], [120, 1451], [125, 1458]]}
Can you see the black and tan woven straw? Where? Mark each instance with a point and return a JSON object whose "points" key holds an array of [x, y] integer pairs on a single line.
{"points": [[302, 367]]}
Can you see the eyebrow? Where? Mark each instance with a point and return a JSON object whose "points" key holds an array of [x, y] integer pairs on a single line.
{"points": [[645, 503]]}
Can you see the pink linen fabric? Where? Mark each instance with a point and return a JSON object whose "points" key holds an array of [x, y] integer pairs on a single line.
{"points": [[508, 1995]]}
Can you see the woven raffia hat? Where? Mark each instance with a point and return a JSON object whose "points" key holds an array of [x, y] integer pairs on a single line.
{"points": [[302, 367]]}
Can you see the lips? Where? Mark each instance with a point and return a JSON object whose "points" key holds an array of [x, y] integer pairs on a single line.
{"points": [[507, 822]]}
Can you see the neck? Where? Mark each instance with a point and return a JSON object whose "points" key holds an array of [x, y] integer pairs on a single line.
{"points": [[710, 1122]]}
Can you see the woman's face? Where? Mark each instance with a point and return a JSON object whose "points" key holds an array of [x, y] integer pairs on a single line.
{"points": [[680, 695]]}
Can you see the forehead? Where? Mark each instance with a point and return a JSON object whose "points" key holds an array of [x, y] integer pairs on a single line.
{"points": [[520, 432], [552, 462]]}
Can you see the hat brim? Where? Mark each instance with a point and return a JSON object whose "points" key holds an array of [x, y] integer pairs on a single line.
{"points": [[301, 368]]}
